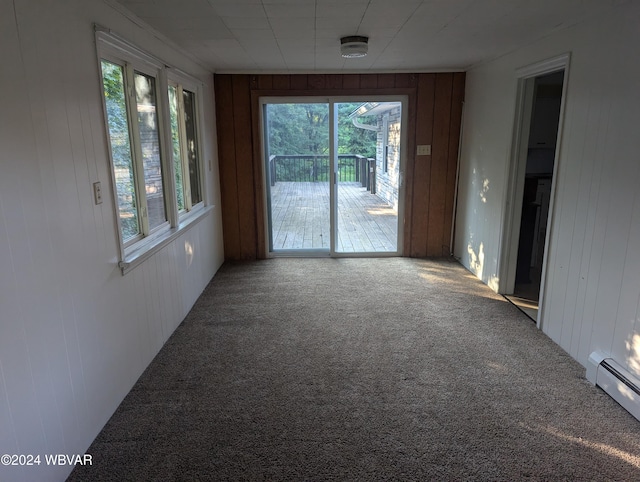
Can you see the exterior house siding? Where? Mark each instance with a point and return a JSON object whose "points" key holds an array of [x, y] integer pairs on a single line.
{"points": [[388, 180]]}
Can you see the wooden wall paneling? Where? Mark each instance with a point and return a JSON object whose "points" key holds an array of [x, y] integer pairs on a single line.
{"points": [[386, 81], [258, 177], [244, 165], [405, 80], [298, 82], [351, 81], [457, 100], [369, 81], [422, 165], [227, 166], [281, 82], [333, 81], [265, 82], [439, 161], [316, 81], [429, 180]]}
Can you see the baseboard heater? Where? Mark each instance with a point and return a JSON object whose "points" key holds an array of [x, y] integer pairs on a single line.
{"points": [[621, 385]]}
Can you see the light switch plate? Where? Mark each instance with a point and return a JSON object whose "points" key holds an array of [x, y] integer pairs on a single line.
{"points": [[97, 192], [424, 150]]}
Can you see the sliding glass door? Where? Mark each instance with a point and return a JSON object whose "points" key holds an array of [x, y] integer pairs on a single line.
{"points": [[296, 145], [368, 176], [332, 174]]}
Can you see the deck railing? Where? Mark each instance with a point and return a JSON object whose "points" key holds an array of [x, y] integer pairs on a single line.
{"points": [[310, 168]]}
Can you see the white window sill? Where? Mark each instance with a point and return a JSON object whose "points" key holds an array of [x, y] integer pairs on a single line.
{"points": [[147, 247]]}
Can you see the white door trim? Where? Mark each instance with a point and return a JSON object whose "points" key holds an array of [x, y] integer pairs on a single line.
{"points": [[515, 171]]}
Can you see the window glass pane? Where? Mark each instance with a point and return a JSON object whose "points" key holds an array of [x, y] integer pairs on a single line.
{"points": [[118, 124], [150, 144], [175, 143], [192, 151]]}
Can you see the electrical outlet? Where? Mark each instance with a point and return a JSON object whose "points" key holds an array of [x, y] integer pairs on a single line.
{"points": [[97, 193], [424, 150]]}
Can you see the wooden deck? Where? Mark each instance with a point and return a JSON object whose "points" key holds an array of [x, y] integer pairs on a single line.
{"points": [[300, 218]]}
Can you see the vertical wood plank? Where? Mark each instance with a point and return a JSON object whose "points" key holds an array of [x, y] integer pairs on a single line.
{"points": [[265, 82], [316, 81], [422, 165], [368, 81], [436, 245], [403, 81], [457, 99], [281, 82], [333, 81], [351, 81], [299, 82], [386, 81], [244, 165], [227, 166]]}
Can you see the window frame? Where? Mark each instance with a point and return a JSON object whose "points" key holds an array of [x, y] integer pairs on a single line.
{"points": [[182, 82], [115, 50]]}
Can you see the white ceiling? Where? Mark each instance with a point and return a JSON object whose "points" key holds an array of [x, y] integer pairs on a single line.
{"points": [[404, 35]]}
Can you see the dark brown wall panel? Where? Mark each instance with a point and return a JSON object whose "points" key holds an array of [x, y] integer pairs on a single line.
{"points": [[386, 81], [265, 82], [439, 157], [434, 111], [244, 166], [281, 82], [227, 166], [369, 81], [351, 81], [405, 80], [298, 82], [316, 81], [333, 81], [422, 165]]}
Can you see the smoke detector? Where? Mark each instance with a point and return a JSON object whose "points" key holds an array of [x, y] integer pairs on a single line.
{"points": [[354, 46]]}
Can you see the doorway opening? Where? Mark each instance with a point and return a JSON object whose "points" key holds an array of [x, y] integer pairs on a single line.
{"points": [[541, 97], [333, 176]]}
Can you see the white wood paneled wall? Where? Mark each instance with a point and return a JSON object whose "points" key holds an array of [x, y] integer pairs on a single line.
{"points": [[593, 284], [74, 333]]}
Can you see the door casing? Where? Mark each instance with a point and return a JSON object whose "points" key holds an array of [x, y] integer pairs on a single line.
{"points": [[516, 174]]}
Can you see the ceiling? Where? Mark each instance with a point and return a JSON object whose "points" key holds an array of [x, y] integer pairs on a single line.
{"points": [[404, 35]]}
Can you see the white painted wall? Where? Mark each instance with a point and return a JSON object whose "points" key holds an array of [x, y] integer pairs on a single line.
{"points": [[74, 333], [593, 284]]}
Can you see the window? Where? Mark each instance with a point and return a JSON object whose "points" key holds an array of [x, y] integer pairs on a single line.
{"points": [[182, 108], [153, 132]]}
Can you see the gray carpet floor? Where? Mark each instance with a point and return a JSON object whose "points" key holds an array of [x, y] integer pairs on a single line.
{"points": [[361, 369]]}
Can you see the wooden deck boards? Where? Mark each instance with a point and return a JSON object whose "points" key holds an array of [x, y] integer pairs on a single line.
{"points": [[300, 218]]}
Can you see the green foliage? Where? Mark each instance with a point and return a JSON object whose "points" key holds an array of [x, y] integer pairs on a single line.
{"points": [[298, 129], [118, 123], [303, 129], [352, 139], [175, 143]]}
